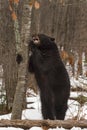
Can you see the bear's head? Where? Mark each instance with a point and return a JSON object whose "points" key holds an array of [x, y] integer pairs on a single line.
{"points": [[42, 40]]}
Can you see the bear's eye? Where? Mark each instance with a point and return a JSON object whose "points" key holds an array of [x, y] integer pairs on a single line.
{"points": [[35, 39]]}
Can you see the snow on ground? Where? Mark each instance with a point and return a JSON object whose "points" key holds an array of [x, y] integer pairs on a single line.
{"points": [[10, 128], [34, 109]]}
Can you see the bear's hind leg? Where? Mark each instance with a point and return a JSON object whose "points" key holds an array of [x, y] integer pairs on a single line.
{"points": [[47, 112], [60, 111], [47, 107]]}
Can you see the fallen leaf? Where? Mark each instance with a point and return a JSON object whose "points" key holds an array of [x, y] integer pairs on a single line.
{"points": [[14, 17], [10, 8], [37, 5], [16, 1]]}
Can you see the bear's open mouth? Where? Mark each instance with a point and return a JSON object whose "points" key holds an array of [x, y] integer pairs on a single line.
{"points": [[36, 40]]}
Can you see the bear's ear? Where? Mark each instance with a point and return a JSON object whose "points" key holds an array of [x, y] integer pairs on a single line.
{"points": [[52, 39]]}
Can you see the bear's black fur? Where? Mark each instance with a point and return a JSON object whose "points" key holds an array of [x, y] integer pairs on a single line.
{"points": [[51, 76]]}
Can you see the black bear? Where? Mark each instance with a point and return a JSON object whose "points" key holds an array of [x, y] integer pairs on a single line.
{"points": [[51, 76]]}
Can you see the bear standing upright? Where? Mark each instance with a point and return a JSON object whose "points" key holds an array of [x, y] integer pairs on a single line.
{"points": [[51, 76]]}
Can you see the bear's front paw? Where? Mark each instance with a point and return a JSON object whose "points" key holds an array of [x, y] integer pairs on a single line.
{"points": [[32, 47]]}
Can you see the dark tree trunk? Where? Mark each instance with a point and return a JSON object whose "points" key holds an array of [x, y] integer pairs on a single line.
{"points": [[9, 62]]}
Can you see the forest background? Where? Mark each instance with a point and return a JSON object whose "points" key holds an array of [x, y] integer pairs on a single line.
{"points": [[65, 20]]}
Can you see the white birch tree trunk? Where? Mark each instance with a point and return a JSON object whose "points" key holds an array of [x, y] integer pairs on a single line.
{"points": [[22, 69]]}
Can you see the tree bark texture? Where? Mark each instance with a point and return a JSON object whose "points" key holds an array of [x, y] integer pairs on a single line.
{"points": [[8, 52], [26, 124], [20, 94]]}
